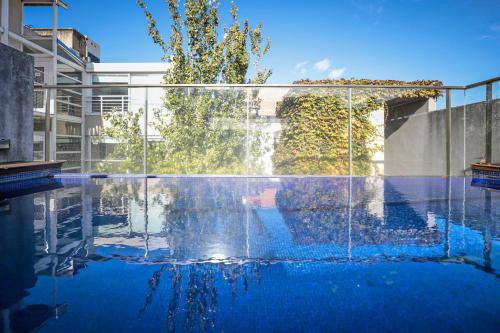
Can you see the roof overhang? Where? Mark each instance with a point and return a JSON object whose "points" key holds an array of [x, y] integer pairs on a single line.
{"points": [[60, 3]]}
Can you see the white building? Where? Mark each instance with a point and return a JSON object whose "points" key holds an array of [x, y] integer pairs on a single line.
{"points": [[102, 100], [65, 56]]}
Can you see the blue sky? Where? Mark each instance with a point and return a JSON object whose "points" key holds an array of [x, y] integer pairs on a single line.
{"points": [[456, 41]]}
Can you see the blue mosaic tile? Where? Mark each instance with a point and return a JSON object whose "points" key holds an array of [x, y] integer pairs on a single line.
{"points": [[26, 175]]}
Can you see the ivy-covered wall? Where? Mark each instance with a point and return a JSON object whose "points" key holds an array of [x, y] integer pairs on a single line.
{"points": [[315, 125]]}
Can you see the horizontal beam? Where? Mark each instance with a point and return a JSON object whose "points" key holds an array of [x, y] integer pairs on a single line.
{"points": [[39, 48], [481, 83], [223, 85], [60, 3]]}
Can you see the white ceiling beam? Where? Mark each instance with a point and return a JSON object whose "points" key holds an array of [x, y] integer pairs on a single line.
{"points": [[44, 50], [4, 20]]}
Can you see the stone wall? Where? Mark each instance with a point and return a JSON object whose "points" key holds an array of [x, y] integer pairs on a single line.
{"points": [[16, 104]]}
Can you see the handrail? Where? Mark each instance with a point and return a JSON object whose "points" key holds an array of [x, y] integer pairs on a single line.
{"points": [[480, 83], [225, 85]]}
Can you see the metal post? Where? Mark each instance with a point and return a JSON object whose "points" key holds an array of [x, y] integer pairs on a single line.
{"points": [[465, 133], [448, 132], [488, 122], [447, 226], [350, 130], [53, 95], [47, 124], [146, 217], [83, 126], [349, 221], [54, 39], [248, 94], [146, 133], [349, 90]]}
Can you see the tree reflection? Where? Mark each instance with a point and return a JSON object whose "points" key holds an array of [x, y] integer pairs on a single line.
{"points": [[193, 302]]}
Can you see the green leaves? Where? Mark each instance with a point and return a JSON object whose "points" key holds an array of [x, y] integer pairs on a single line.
{"points": [[315, 138], [199, 54], [202, 130]]}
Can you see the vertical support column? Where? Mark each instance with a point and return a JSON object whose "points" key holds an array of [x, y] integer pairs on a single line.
{"points": [[52, 224], [5, 22], [87, 227], [465, 133], [47, 124], [145, 162], [146, 217], [83, 127], [447, 226], [53, 80], [349, 221], [488, 122], [248, 99], [448, 132], [86, 110], [54, 39], [349, 92], [53, 123], [349, 226]]}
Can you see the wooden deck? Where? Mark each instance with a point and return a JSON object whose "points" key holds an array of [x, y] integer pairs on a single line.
{"points": [[485, 167], [17, 167]]}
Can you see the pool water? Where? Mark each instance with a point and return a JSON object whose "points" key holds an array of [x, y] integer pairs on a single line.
{"points": [[228, 254]]}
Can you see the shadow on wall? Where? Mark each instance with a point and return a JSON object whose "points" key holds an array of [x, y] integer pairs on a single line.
{"points": [[415, 137], [16, 104]]}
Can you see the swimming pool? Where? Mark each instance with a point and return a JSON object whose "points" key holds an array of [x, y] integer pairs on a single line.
{"points": [[250, 254]]}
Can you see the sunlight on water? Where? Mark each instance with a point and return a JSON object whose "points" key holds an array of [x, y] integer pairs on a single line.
{"points": [[250, 254]]}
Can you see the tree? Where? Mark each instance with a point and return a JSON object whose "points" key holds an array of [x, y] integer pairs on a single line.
{"points": [[124, 129], [204, 130]]}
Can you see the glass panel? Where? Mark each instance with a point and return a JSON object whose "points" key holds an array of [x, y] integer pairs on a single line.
{"points": [[68, 145], [196, 131], [68, 124], [475, 138], [39, 118], [398, 132], [272, 130], [69, 102], [39, 100], [115, 138], [457, 139], [38, 137], [495, 125], [298, 131]]}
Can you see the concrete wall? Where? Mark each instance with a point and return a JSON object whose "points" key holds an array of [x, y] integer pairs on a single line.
{"points": [[414, 142], [16, 104]]}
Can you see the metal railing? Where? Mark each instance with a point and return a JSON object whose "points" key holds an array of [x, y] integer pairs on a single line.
{"points": [[106, 103], [417, 139]]}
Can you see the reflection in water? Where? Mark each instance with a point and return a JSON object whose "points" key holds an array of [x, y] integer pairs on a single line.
{"points": [[198, 242]]}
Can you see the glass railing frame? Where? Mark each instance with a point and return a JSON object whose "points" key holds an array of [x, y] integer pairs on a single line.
{"points": [[50, 93]]}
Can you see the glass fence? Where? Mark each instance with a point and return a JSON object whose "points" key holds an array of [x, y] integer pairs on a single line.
{"points": [[269, 130]]}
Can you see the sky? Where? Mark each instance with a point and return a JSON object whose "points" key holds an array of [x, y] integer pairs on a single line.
{"points": [[455, 41]]}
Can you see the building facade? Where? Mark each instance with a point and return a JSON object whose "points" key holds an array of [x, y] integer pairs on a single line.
{"points": [[64, 56]]}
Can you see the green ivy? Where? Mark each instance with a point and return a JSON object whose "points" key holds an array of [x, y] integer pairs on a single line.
{"points": [[315, 121]]}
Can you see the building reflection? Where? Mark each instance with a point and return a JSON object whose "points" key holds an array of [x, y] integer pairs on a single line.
{"points": [[196, 228], [20, 257]]}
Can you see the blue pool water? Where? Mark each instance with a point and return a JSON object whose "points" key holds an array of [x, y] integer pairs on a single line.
{"points": [[250, 255]]}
